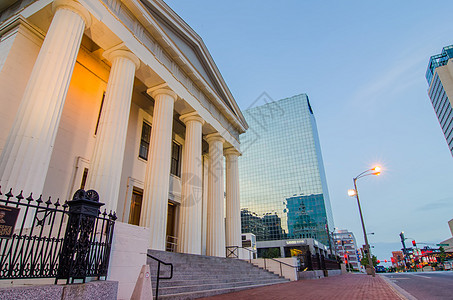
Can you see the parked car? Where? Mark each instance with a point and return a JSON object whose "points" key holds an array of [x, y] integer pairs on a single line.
{"points": [[380, 269]]}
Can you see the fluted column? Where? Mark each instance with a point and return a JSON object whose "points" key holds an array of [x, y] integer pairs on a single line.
{"points": [[215, 240], [25, 159], [233, 205], [107, 161], [157, 178], [189, 240]]}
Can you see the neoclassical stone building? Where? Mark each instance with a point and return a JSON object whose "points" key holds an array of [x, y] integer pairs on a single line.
{"points": [[123, 97]]}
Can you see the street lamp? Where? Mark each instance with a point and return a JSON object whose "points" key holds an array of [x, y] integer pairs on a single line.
{"points": [[353, 192]]}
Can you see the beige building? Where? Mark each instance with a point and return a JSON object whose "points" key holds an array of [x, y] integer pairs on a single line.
{"points": [[123, 97], [440, 80], [449, 241]]}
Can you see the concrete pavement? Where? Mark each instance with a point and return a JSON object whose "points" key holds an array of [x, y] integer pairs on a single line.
{"points": [[347, 287], [423, 285]]}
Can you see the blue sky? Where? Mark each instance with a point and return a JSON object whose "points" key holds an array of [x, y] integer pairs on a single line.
{"points": [[362, 64]]}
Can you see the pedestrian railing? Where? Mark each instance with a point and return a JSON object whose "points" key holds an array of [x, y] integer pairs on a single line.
{"points": [[158, 277], [233, 252], [52, 240], [281, 264]]}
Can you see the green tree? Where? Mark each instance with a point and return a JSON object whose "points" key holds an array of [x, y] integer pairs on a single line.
{"points": [[272, 253], [442, 254], [364, 260]]}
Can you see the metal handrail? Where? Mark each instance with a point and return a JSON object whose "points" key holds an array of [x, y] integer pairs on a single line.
{"points": [[281, 263], [158, 272], [171, 243], [235, 254]]}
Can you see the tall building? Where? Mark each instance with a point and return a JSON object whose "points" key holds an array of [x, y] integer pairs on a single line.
{"points": [[346, 248], [282, 182], [440, 79]]}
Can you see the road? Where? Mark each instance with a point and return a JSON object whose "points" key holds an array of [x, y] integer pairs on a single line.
{"points": [[424, 285]]}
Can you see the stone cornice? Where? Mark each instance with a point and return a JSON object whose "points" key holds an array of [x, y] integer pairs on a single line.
{"points": [[190, 78]]}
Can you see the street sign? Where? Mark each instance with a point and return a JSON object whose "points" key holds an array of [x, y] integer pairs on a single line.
{"points": [[442, 245]]}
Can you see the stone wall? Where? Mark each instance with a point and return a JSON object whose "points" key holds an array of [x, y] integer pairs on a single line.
{"points": [[95, 290]]}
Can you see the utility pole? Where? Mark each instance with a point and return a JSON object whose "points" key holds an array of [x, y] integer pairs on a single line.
{"points": [[404, 249]]}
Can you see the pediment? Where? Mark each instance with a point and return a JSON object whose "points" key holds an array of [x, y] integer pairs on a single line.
{"points": [[194, 50]]}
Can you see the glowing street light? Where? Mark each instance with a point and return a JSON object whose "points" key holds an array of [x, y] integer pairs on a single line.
{"points": [[353, 192]]}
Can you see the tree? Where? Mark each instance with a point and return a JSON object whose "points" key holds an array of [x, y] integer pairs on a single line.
{"points": [[442, 255], [271, 253], [364, 261]]}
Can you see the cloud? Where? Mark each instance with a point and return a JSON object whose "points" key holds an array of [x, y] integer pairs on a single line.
{"points": [[440, 204], [403, 73]]}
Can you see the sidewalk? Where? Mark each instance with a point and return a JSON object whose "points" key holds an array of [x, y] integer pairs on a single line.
{"points": [[348, 286]]}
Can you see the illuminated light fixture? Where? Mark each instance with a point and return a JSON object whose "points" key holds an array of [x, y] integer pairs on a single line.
{"points": [[353, 192]]}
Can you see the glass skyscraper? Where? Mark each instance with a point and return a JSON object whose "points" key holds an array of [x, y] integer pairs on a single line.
{"points": [[282, 181], [440, 79]]}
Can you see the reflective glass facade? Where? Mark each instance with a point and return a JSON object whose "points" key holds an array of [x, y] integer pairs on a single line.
{"points": [[439, 76], [437, 61], [282, 181]]}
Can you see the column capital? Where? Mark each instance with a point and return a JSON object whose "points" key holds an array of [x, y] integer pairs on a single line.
{"points": [[161, 89], [232, 152], [193, 116], [214, 137], [114, 53], [75, 7]]}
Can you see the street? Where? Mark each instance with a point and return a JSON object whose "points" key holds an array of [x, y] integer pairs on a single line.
{"points": [[424, 285]]}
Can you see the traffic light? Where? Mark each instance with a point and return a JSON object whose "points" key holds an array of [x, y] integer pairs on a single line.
{"points": [[414, 244]]}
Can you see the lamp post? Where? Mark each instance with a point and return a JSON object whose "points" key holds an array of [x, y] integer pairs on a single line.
{"points": [[354, 192]]}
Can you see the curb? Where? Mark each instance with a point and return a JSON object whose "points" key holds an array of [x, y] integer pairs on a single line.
{"points": [[402, 294]]}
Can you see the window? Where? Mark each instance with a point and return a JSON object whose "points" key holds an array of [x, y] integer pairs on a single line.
{"points": [[144, 141], [175, 155]]}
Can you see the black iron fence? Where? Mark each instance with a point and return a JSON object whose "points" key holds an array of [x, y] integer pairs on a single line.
{"points": [[52, 240]]}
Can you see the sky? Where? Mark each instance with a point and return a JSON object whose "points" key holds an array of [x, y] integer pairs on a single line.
{"points": [[362, 64]]}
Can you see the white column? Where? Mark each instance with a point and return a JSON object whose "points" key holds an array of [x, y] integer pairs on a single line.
{"points": [[215, 240], [107, 162], [233, 205], [25, 159], [189, 239], [157, 178]]}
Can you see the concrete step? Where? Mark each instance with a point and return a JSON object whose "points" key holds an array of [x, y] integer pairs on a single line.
{"points": [[209, 280], [214, 286], [197, 276], [208, 293], [207, 270], [192, 281]]}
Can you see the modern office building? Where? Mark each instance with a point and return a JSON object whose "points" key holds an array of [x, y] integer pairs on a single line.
{"points": [[346, 248], [440, 80], [282, 181], [121, 97]]}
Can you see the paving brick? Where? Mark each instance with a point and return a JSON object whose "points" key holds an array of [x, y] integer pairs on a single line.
{"points": [[342, 287]]}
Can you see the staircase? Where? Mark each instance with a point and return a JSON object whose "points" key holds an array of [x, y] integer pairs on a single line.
{"points": [[196, 276]]}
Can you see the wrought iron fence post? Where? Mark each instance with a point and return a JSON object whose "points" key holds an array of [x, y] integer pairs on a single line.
{"points": [[83, 210]]}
